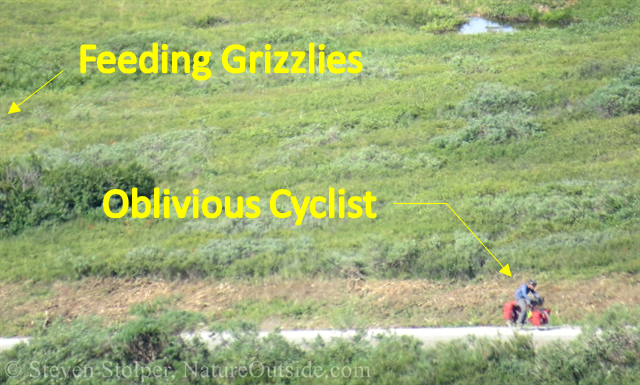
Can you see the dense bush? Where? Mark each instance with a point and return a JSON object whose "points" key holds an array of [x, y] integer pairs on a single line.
{"points": [[76, 189], [493, 99], [622, 96], [443, 20], [31, 194], [18, 183], [494, 129], [560, 16], [494, 113]]}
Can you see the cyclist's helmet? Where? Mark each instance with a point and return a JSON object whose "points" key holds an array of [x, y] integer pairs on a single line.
{"points": [[533, 282]]}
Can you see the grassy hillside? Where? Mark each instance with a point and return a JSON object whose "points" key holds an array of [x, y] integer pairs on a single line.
{"points": [[532, 138]]}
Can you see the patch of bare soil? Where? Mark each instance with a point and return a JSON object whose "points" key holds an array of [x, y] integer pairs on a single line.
{"points": [[483, 302], [382, 302]]}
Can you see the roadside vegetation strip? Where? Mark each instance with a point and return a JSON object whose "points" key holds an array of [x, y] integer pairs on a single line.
{"points": [[606, 350]]}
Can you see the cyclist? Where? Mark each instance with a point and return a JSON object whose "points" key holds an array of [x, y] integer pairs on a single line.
{"points": [[523, 301]]}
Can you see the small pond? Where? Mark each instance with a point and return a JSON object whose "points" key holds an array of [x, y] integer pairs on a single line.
{"points": [[479, 25]]}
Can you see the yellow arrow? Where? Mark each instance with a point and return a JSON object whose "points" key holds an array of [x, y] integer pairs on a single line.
{"points": [[505, 268], [14, 106]]}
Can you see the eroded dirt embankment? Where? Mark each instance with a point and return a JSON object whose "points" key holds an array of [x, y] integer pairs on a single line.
{"points": [[316, 303]]}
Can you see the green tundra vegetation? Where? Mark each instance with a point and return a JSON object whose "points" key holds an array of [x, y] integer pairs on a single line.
{"points": [[532, 137]]}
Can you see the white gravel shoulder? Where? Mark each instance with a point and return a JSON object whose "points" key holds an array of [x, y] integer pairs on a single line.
{"points": [[428, 336]]}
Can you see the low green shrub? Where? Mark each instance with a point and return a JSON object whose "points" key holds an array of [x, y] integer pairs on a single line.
{"points": [[243, 257], [621, 96], [443, 20], [495, 114], [557, 16], [493, 99], [31, 194], [514, 10], [18, 194], [77, 189], [167, 155], [493, 129]]}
